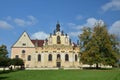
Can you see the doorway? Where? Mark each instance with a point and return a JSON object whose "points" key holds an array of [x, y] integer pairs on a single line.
{"points": [[58, 61], [58, 64]]}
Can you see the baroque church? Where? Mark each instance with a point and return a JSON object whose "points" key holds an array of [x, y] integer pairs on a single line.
{"points": [[55, 51]]}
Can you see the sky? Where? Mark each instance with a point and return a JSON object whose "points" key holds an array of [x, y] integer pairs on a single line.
{"points": [[39, 17]]}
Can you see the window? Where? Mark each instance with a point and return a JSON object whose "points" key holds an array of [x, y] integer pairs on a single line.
{"points": [[16, 56], [58, 40], [29, 57], [23, 51], [39, 57], [50, 57], [66, 57], [24, 44], [76, 57], [58, 56]]}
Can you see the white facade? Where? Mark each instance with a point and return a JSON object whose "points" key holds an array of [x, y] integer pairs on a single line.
{"points": [[56, 51]]}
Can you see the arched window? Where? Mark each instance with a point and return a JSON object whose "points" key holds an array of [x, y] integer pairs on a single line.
{"points": [[29, 57], [76, 57], [39, 57], [66, 57], [58, 56], [58, 40], [50, 57]]}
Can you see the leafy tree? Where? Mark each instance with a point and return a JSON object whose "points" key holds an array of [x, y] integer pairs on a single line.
{"points": [[17, 62], [98, 46], [3, 51], [4, 60]]}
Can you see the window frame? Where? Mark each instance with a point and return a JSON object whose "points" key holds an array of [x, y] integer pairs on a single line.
{"points": [[76, 57], [39, 57], [29, 58], [66, 57], [50, 57]]}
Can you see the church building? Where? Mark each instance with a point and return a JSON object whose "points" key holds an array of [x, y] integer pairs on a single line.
{"points": [[55, 51]]}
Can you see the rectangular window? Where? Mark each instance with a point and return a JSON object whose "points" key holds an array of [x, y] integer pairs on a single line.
{"points": [[24, 44], [16, 56], [29, 57], [39, 57], [50, 57]]}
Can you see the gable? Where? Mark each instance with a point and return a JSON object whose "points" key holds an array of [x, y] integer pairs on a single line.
{"points": [[24, 41]]}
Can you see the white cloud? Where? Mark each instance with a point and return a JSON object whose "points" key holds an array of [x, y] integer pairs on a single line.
{"points": [[9, 18], [5, 25], [20, 22], [31, 20], [71, 24], [115, 28], [39, 35], [112, 5], [28, 21], [74, 34], [79, 17], [90, 22]]}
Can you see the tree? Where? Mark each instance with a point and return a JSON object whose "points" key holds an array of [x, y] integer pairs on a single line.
{"points": [[17, 62], [4, 60], [3, 51], [98, 46]]}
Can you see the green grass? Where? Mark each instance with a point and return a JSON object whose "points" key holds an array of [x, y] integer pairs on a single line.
{"points": [[62, 75]]}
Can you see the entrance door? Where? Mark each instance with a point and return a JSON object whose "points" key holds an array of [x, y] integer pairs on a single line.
{"points": [[58, 64]]}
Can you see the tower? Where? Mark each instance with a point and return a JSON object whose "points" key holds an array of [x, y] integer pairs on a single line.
{"points": [[57, 27]]}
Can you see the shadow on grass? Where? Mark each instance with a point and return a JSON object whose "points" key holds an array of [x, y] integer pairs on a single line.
{"points": [[93, 68], [9, 71], [2, 78], [6, 71]]}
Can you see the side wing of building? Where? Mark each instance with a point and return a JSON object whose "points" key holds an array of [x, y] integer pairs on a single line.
{"points": [[23, 48]]}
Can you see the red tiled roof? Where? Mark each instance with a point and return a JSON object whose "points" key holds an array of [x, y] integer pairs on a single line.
{"points": [[39, 43]]}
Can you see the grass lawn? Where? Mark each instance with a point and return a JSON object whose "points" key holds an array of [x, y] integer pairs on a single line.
{"points": [[62, 75]]}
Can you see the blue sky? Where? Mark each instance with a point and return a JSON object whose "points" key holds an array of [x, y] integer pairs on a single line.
{"points": [[39, 17]]}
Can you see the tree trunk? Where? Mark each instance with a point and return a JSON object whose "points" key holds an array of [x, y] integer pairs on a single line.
{"points": [[3, 68], [97, 66]]}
